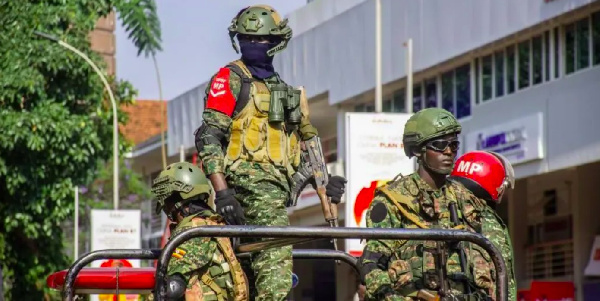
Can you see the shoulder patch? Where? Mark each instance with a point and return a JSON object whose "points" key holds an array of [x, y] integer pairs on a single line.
{"points": [[220, 97], [378, 213]]}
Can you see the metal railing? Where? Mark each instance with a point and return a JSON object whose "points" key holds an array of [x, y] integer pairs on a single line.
{"points": [[300, 234], [81, 262]]}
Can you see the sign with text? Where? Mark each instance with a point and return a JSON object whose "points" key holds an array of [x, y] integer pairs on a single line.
{"points": [[374, 155], [116, 229], [519, 140], [593, 267]]}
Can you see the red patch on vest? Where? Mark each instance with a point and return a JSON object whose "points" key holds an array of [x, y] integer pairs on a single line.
{"points": [[220, 97]]}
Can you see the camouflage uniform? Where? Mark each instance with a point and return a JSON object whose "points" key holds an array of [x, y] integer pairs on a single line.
{"points": [[201, 269], [409, 202], [209, 265], [494, 229], [257, 156]]}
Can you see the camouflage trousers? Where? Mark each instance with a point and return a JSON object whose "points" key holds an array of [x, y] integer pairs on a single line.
{"points": [[263, 192]]}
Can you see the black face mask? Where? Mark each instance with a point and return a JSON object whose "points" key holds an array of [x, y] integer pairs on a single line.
{"points": [[256, 59]]}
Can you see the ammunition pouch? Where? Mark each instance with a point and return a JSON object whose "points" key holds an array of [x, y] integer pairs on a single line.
{"points": [[209, 135]]}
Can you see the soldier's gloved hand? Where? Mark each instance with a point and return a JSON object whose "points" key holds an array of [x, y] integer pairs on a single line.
{"points": [[335, 188], [229, 207]]}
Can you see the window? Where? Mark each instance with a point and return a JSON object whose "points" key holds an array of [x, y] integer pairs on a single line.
{"points": [[583, 44], [510, 69], [547, 55], [486, 77], [448, 92], [417, 99], [386, 106], [370, 108], [524, 64], [359, 108], [569, 48], [596, 37], [556, 53], [499, 71], [477, 80], [536, 64], [398, 104], [430, 93], [462, 84]]}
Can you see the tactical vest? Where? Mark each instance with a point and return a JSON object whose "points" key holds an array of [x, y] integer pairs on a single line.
{"points": [[226, 271], [423, 266], [252, 137]]}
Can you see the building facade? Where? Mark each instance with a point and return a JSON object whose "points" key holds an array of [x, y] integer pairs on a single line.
{"points": [[522, 77]]}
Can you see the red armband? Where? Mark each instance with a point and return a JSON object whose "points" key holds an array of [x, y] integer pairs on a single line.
{"points": [[220, 97]]}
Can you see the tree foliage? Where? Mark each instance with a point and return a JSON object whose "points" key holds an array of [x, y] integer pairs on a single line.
{"points": [[56, 129]]}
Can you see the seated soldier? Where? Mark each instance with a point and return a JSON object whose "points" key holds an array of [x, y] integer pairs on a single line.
{"points": [[202, 268], [488, 175]]}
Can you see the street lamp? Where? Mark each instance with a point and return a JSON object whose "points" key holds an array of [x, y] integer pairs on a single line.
{"points": [[114, 107]]}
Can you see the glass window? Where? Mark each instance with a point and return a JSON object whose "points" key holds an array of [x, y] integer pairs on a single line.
{"points": [[370, 108], [596, 37], [547, 55], [556, 53], [477, 80], [499, 71], [398, 104], [463, 91], [359, 108], [536, 53], [583, 44], [386, 106], [448, 92], [524, 64], [486, 77], [417, 99], [430, 93], [569, 48], [510, 69]]}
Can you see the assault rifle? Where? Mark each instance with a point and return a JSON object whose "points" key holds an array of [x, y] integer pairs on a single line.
{"points": [[312, 157], [458, 246]]}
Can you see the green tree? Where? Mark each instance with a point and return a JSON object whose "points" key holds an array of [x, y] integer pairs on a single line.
{"points": [[56, 128]]}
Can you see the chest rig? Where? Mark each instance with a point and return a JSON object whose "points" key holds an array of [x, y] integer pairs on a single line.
{"points": [[427, 210], [265, 119]]}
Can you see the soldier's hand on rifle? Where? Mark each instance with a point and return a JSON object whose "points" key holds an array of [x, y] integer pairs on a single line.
{"points": [[335, 188], [229, 207]]}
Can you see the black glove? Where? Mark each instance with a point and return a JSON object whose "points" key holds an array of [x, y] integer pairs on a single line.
{"points": [[176, 287], [335, 188], [229, 207]]}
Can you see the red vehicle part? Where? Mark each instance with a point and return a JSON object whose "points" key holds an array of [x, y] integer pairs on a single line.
{"points": [[104, 280]]}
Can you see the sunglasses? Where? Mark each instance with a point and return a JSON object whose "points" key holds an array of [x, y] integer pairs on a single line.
{"points": [[441, 145]]}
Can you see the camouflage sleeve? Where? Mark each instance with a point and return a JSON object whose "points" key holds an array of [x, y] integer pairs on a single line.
{"points": [[217, 116], [191, 256], [381, 214]]}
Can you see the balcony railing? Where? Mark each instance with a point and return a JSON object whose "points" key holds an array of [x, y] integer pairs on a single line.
{"points": [[550, 260]]}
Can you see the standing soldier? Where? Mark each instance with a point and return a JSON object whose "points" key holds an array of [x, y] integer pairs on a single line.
{"points": [[202, 268], [488, 175], [424, 270], [249, 140]]}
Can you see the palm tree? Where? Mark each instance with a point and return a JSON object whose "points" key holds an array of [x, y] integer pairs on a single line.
{"points": [[140, 20]]}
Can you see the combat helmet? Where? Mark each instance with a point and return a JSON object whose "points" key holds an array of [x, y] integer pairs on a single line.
{"points": [[261, 20], [428, 124], [184, 178]]}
